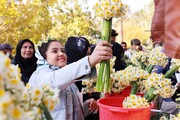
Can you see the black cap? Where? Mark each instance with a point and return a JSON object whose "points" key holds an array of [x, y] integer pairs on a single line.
{"points": [[6, 46], [113, 33]]}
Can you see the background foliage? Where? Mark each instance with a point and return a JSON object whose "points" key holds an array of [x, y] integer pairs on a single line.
{"points": [[62, 19]]}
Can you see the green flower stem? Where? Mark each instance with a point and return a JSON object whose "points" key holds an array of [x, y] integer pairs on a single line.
{"points": [[134, 88], [99, 84], [150, 94], [150, 68], [171, 71], [46, 112], [103, 83], [142, 65], [107, 76], [106, 30]]}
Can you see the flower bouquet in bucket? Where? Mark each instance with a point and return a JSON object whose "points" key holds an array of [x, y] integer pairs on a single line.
{"points": [[148, 61], [152, 84]]}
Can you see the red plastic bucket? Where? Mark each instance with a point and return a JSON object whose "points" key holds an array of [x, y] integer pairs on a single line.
{"points": [[111, 109], [124, 93], [116, 95], [126, 90]]}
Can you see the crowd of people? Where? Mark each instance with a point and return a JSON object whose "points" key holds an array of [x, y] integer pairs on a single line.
{"points": [[64, 67]]}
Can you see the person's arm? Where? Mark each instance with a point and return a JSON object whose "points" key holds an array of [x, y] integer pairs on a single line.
{"points": [[82, 67], [60, 78], [65, 76]]}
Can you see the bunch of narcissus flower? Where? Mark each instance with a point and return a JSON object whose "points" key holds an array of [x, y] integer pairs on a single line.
{"points": [[157, 84], [109, 8], [118, 82], [171, 117], [135, 76], [157, 57], [134, 73], [135, 101], [42, 94], [16, 101], [131, 76], [89, 85], [140, 59], [148, 59]]}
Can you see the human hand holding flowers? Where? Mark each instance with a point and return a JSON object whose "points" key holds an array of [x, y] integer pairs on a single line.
{"points": [[101, 52]]}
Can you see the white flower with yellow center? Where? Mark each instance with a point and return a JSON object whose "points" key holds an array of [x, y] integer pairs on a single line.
{"points": [[35, 100], [34, 114], [162, 85], [135, 101], [118, 82], [5, 102], [109, 8], [4, 62], [2, 93], [37, 92], [89, 85], [48, 101], [139, 58], [156, 57], [17, 113], [15, 98]]}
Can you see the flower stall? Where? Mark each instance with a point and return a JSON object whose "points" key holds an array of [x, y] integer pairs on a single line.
{"points": [[129, 94]]}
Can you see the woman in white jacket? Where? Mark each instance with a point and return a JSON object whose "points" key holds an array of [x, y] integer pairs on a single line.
{"points": [[59, 75]]}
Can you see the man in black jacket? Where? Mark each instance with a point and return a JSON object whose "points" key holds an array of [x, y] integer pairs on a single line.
{"points": [[118, 52]]}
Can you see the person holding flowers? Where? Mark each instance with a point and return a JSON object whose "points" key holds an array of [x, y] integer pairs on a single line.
{"points": [[61, 76]]}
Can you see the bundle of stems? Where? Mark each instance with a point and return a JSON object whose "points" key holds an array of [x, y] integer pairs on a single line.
{"points": [[45, 112], [103, 82], [150, 93]]}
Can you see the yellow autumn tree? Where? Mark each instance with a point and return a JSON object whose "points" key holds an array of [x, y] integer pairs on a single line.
{"points": [[138, 25], [34, 18], [71, 19], [20, 20]]}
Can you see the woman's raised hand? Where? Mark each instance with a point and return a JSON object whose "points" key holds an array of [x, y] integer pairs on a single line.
{"points": [[102, 51]]}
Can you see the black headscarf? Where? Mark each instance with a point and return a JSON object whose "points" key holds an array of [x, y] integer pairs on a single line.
{"points": [[75, 49], [27, 66]]}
